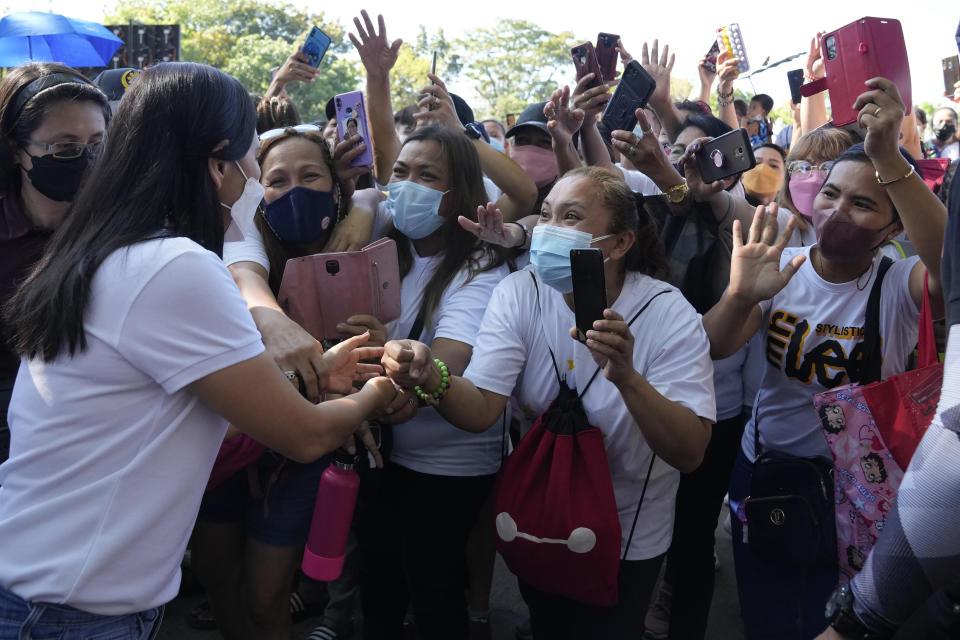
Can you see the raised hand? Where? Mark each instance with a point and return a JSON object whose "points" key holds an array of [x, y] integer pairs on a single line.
{"points": [[341, 365], [436, 105], [881, 113], [706, 75], [659, 65], [727, 71], [644, 151], [755, 273], [345, 152], [491, 229], [590, 101], [377, 54], [295, 69], [814, 65], [365, 323], [562, 121], [625, 56]]}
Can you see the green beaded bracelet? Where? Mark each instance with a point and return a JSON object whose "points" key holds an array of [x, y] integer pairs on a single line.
{"points": [[434, 398]]}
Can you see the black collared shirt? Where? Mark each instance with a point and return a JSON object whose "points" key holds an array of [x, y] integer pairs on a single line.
{"points": [[21, 245]]}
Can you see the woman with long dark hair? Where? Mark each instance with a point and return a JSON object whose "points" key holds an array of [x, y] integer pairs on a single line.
{"points": [[52, 122], [134, 337]]}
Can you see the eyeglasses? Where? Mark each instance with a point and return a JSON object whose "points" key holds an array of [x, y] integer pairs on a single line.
{"points": [[68, 150], [300, 128], [802, 166]]}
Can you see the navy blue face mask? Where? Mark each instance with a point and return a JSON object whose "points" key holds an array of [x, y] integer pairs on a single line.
{"points": [[302, 216]]}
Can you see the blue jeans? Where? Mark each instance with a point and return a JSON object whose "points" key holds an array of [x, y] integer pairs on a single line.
{"points": [[776, 603], [22, 620]]}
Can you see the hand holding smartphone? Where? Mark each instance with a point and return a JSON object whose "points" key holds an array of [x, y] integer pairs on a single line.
{"points": [[607, 55], [352, 120], [632, 92], [589, 289], [725, 156], [585, 61]]}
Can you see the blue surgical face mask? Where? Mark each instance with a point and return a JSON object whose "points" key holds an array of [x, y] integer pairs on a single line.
{"points": [[302, 216], [550, 249], [496, 144], [415, 208]]}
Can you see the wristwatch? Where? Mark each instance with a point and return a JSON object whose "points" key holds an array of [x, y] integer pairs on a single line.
{"points": [[844, 620], [475, 131], [678, 192]]}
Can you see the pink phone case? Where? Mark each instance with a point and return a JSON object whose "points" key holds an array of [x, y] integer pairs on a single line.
{"points": [[325, 289], [854, 53]]}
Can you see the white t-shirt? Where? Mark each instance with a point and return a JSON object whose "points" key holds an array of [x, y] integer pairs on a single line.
{"points": [[428, 443], [110, 452], [812, 326], [638, 181], [249, 249], [670, 350]]}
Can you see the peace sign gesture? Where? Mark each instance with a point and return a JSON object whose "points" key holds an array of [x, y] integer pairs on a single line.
{"points": [[755, 273]]}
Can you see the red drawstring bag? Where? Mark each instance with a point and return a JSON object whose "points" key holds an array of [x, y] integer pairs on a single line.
{"points": [[555, 511], [934, 170], [903, 405], [235, 454]]}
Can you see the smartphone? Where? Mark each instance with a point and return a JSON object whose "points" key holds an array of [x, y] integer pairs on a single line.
{"points": [[585, 61], [511, 120], [315, 46], [795, 79], [711, 61], [589, 289], [951, 73], [632, 92], [725, 156], [730, 38], [607, 54], [352, 119]]}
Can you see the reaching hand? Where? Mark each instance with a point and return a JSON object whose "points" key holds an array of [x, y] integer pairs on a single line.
{"points": [[491, 229], [365, 323], [660, 69], [341, 366], [292, 348], [727, 71], [755, 273], [814, 65], [352, 233], [590, 101], [562, 121], [611, 344], [644, 151], [625, 56], [369, 441], [377, 56], [707, 76], [407, 362], [881, 113], [436, 105], [295, 69]]}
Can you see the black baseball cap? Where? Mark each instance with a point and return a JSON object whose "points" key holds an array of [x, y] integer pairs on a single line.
{"points": [[531, 116]]}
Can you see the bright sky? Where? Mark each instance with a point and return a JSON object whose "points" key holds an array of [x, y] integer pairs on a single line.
{"points": [[768, 30]]}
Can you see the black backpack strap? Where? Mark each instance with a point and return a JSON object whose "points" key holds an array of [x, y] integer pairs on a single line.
{"points": [[553, 358], [417, 327], [636, 515], [869, 369]]}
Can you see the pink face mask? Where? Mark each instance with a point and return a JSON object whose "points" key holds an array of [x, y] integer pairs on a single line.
{"points": [[841, 239], [539, 164], [804, 187]]}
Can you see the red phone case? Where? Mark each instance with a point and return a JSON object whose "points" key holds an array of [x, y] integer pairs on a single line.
{"points": [[318, 296], [864, 49], [585, 61], [607, 54]]}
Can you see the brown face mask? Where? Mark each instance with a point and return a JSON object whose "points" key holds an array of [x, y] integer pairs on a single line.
{"points": [[843, 240]]}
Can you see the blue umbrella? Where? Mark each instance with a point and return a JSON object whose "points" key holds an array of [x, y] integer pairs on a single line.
{"points": [[51, 37]]}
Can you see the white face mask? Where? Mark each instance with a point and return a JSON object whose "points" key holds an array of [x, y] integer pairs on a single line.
{"points": [[243, 210]]}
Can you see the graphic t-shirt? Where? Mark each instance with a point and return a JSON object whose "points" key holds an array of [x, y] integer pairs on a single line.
{"points": [[813, 329]]}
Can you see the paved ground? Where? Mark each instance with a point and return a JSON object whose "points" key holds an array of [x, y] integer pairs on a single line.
{"points": [[508, 608]]}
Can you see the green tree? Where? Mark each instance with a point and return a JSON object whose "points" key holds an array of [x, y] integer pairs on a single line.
{"points": [[680, 88], [249, 38], [513, 64]]}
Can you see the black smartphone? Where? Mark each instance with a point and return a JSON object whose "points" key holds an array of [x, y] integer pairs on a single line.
{"points": [[795, 78], [585, 61], [589, 289], [607, 54], [634, 89], [725, 156], [951, 74]]}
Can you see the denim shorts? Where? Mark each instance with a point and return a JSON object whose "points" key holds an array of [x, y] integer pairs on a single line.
{"points": [[22, 620], [274, 497]]}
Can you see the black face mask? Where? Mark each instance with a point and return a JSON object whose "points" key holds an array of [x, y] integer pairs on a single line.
{"points": [[945, 131], [57, 178]]}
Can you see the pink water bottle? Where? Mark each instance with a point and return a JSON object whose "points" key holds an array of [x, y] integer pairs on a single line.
{"points": [[332, 514]]}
